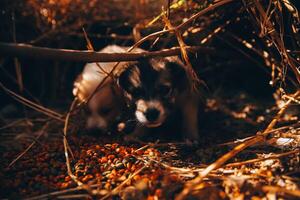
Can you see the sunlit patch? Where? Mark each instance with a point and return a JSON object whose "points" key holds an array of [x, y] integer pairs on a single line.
{"points": [[284, 141], [89, 76], [247, 44], [140, 116]]}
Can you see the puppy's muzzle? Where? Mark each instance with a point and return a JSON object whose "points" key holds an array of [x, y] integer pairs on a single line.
{"points": [[150, 113]]}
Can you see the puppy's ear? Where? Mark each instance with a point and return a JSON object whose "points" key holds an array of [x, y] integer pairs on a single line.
{"points": [[178, 75]]}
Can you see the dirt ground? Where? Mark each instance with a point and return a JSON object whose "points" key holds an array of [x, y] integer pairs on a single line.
{"points": [[151, 170]]}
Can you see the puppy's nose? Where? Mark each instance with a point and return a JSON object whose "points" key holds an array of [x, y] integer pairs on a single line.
{"points": [[152, 114]]}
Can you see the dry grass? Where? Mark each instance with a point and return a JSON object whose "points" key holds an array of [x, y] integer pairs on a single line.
{"points": [[229, 176]]}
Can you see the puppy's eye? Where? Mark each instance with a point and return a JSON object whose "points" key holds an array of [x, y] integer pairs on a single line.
{"points": [[164, 90], [104, 111]]}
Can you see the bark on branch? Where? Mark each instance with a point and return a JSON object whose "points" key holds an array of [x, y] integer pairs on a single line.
{"points": [[25, 50]]}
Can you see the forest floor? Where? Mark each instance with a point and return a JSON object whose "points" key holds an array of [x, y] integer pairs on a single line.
{"points": [[33, 163], [249, 147]]}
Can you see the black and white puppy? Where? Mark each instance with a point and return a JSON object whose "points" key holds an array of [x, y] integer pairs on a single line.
{"points": [[159, 90], [106, 107]]}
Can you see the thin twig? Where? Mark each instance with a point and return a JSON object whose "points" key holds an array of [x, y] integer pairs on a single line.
{"points": [[65, 142], [33, 105], [237, 164], [123, 183], [41, 132], [193, 78], [55, 193]]}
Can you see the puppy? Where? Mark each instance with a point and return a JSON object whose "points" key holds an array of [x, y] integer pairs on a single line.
{"points": [[105, 107], [160, 91]]}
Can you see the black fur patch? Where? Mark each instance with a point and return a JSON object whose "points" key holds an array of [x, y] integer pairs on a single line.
{"points": [[178, 75], [157, 79]]}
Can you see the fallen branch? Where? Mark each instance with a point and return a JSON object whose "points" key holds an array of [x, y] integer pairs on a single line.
{"points": [[26, 50]]}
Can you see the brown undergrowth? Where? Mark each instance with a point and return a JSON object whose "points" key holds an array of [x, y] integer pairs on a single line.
{"points": [[250, 148]]}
